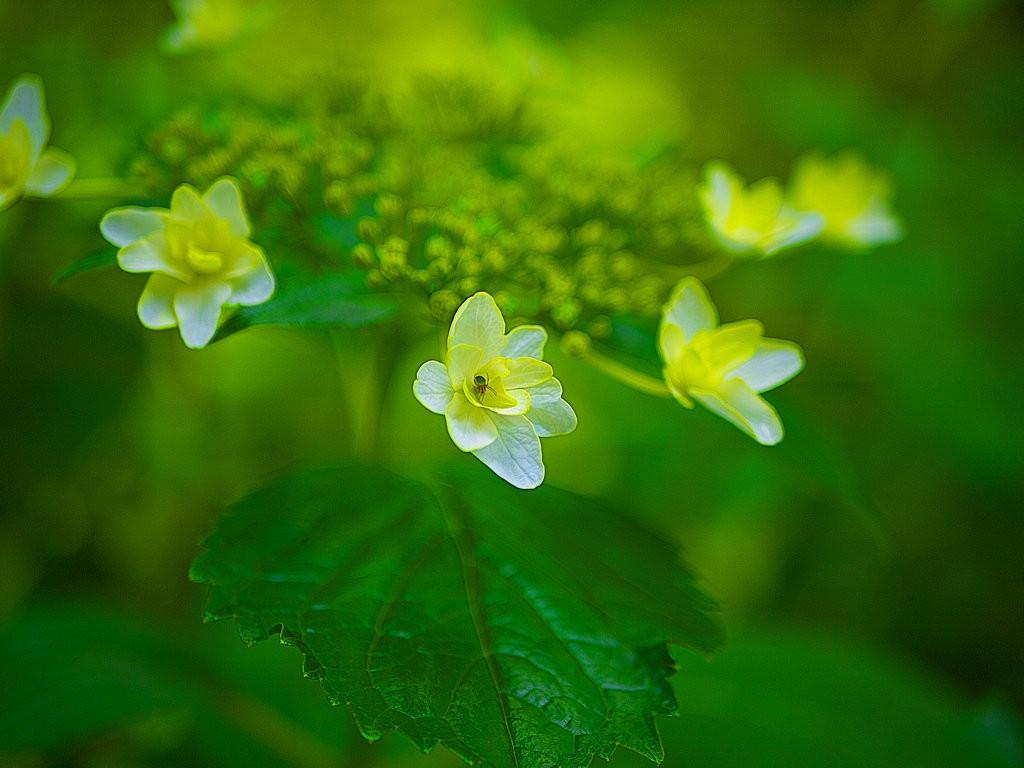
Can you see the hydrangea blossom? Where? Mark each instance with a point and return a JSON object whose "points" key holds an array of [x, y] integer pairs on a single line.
{"points": [[753, 220], [853, 197], [724, 367], [496, 393], [200, 257], [27, 167]]}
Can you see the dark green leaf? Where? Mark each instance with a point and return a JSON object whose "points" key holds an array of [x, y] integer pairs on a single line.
{"points": [[101, 259], [517, 628], [328, 300]]}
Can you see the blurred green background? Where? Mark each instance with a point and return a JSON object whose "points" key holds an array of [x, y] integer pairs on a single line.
{"points": [[871, 566]]}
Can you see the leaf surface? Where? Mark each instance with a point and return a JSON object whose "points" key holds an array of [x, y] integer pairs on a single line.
{"points": [[101, 259], [516, 628], [327, 300]]}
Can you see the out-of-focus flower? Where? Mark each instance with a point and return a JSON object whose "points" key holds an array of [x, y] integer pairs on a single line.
{"points": [[495, 392], [26, 166], [200, 256], [753, 220], [211, 24], [724, 368], [853, 197]]}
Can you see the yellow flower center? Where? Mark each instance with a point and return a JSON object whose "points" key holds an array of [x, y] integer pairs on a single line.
{"points": [[204, 262], [705, 361], [486, 388], [15, 152]]}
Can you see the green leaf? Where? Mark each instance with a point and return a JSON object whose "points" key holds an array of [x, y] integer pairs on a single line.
{"points": [[516, 628], [328, 300], [101, 259]]}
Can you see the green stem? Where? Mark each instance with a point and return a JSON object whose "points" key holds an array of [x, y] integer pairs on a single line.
{"points": [[346, 415], [273, 730], [704, 271], [631, 378], [100, 189], [367, 446]]}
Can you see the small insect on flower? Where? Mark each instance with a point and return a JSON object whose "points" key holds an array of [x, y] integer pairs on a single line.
{"points": [[27, 167], [497, 395]]}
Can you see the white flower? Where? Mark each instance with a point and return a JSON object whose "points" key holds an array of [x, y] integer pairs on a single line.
{"points": [[200, 257], [495, 392], [753, 220], [25, 168], [724, 368]]}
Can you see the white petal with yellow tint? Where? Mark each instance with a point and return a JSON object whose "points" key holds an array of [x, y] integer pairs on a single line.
{"points": [[432, 387], [525, 341], [478, 323], [717, 190], [51, 173], [875, 226], [689, 308], [515, 454], [255, 286], [150, 254], [463, 362], [526, 372], [25, 102], [522, 403], [186, 205], [224, 199], [549, 413], [794, 228], [470, 426], [123, 226], [156, 305], [774, 362], [738, 403], [198, 306]]}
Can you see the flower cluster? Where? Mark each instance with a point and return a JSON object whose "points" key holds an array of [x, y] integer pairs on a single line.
{"points": [[497, 394], [841, 199], [27, 167]]}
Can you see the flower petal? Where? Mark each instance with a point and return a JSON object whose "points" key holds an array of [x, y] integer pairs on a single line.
{"points": [[470, 426], [522, 403], [432, 387], [25, 102], [463, 362], [690, 309], [718, 190], [549, 413], [874, 226], [186, 205], [150, 254], [255, 286], [224, 199], [773, 362], [793, 228], [526, 372], [50, 173], [525, 341], [123, 226], [479, 323], [198, 309], [156, 305], [738, 403], [515, 455]]}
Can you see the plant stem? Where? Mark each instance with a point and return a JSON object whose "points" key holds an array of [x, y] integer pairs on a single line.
{"points": [[367, 445], [704, 271], [92, 189], [346, 413], [631, 378]]}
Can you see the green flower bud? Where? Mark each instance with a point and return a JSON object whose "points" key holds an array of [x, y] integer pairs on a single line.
{"points": [[420, 217], [338, 199], [376, 281], [370, 230], [494, 261], [591, 233], [600, 327], [388, 206], [362, 256], [616, 299], [421, 277], [397, 245], [439, 269], [443, 304], [507, 303], [567, 313], [623, 266], [468, 285], [575, 345], [437, 246]]}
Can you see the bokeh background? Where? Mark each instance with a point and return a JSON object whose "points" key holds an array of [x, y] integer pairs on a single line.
{"points": [[871, 567]]}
